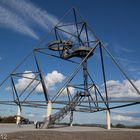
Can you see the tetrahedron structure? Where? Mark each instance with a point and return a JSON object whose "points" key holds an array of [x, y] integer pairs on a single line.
{"points": [[75, 47]]}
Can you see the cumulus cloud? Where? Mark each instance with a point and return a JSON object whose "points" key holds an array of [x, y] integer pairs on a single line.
{"points": [[22, 83], [126, 116], [116, 89], [51, 79], [131, 113], [71, 90], [119, 89], [123, 118], [120, 111]]}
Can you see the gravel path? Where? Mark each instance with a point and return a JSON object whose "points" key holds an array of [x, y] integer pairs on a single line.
{"points": [[28, 132], [92, 135]]}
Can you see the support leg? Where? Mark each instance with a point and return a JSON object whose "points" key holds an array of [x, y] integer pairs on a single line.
{"points": [[71, 118], [49, 110], [108, 120], [18, 118]]}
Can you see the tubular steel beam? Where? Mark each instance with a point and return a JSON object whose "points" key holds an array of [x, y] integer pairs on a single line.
{"points": [[26, 57], [77, 30], [31, 91], [31, 82], [55, 56], [86, 106], [41, 77], [85, 76], [74, 72], [66, 102], [122, 71], [104, 75], [17, 101], [98, 90]]}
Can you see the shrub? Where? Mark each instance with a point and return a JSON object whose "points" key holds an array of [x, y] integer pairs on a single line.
{"points": [[120, 126]]}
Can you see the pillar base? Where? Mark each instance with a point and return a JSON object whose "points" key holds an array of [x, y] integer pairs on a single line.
{"points": [[49, 110], [71, 124], [108, 120], [18, 117]]}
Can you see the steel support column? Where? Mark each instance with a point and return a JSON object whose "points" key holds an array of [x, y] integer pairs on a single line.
{"points": [[85, 76], [41, 77]]}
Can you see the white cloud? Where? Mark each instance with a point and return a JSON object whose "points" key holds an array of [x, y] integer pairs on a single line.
{"points": [[54, 77], [125, 61], [119, 48], [51, 79], [131, 115], [71, 90], [119, 89], [120, 111], [24, 82], [123, 118], [12, 21], [33, 13], [22, 16]]}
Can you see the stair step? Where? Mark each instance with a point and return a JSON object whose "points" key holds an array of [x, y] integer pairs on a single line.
{"points": [[62, 113]]}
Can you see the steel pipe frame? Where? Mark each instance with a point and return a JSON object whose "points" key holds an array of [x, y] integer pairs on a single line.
{"points": [[133, 102]]}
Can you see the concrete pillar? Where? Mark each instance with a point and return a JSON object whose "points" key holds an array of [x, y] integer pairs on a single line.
{"points": [[108, 120], [18, 118], [49, 110], [71, 124]]}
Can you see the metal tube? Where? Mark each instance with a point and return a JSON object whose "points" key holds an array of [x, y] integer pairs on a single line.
{"points": [[85, 76], [74, 73], [122, 71], [103, 71], [108, 119], [41, 77]]}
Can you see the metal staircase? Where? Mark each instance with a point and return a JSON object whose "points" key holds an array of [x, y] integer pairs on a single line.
{"points": [[62, 113]]}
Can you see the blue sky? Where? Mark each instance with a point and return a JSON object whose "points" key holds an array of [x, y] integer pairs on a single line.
{"points": [[116, 23]]}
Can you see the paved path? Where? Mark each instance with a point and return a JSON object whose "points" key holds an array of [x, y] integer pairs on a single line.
{"points": [[85, 129], [8, 128]]}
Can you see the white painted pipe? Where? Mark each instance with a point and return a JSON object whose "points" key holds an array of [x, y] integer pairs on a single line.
{"points": [[18, 115], [71, 124], [49, 110], [108, 119]]}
